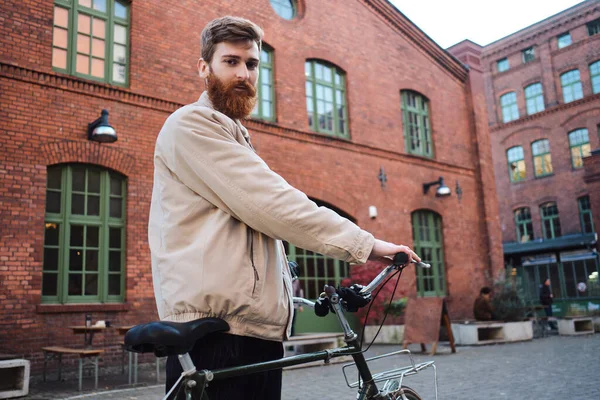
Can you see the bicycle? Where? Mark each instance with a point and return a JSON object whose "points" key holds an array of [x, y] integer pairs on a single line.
{"points": [[165, 338]]}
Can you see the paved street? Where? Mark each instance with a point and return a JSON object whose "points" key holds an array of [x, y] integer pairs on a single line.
{"points": [[554, 367]]}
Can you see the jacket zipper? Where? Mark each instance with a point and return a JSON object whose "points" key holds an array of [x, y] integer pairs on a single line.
{"points": [[256, 277]]}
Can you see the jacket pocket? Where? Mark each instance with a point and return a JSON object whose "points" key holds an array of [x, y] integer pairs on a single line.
{"points": [[253, 253]]}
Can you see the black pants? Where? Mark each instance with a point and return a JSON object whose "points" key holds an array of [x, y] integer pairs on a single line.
{"points": [[220, 350]]}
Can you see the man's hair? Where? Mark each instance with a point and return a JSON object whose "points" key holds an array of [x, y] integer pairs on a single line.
{"points": [[485, 290], [228, 29]]}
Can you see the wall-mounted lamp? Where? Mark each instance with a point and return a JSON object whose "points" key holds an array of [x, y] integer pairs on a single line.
{"points": [[442, 191], [101, 131]]}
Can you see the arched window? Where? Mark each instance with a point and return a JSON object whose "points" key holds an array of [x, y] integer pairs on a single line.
{"points": [[84, 242], [429, 245], [91, 39], [516, 164], [579, 143], [286, 9], [510, 109], [571, 86], [534, 98], [523, 224], [550, 220], [417, 126], [317, 270], [542, 159], [265, 105], [326, 98]]}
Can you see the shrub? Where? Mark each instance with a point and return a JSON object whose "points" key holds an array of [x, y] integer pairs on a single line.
{"points": [[507, 303]]}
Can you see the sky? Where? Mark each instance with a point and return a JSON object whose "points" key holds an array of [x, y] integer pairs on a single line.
{"points": [[482, 21]]}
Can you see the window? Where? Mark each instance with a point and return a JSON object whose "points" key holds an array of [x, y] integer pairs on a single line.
{"points": [[534, 98], [542, 160], [415, 120], [84, 243], [265, 105], [595, 76], [528, 55], [564, 40], [516, 164], [91, 39], [571, 86], [510, 110], [594, 27], [317, 270], [502, 65], [326, 98], [550, 220], [585, 215], [579, 143], [524, 225], [286, 9], [428, 243]]}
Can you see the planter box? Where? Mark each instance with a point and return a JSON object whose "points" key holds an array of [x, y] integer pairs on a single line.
{"points": [[14, 378], [389, 334], [575, 326], [478, 333]]}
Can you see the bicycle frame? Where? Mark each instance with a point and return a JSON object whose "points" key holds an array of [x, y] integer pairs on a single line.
{"points": [[194, 382]]}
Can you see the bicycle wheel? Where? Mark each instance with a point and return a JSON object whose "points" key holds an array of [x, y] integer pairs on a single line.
{"points": [[409, 394]]}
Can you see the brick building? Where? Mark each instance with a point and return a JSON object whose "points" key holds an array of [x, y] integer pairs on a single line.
{"points": [[357, 113], [542, 89]]}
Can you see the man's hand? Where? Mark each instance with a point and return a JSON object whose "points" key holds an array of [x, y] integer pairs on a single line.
{"points": [[385, 251]]}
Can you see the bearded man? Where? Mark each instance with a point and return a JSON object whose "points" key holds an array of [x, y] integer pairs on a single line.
{"points": [[219, 215]]}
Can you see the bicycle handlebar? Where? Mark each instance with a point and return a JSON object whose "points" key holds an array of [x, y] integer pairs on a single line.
{"points": [[398, 260]]}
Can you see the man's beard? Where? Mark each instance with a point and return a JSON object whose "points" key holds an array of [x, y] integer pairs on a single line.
{"points": [[236, 104]]}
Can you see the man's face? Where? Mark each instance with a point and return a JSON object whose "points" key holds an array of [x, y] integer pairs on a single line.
{"points": [[231, 77]]}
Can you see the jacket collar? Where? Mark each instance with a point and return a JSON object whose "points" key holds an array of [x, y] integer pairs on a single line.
{"points": [[204, 101]]}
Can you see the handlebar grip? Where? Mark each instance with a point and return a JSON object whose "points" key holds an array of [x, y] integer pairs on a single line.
{"points": [[400, 259]]}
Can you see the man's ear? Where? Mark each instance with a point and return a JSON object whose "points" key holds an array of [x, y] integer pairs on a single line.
{"points": [[203, 68]]}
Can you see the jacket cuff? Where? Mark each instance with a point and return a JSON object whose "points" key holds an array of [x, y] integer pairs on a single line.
{"points": [[361, 248]]}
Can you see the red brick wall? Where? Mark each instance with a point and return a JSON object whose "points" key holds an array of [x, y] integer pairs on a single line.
{"points": [[554, 124], [44, 115], [592, 179]]}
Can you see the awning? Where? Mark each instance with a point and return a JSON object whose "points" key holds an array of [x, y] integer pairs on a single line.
{"points": [[567, 242]]}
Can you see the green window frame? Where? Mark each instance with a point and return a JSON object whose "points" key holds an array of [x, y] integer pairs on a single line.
{"points": [[534, 98], [326, 98], [524, 225], [571, 86], [542, 159], [429, 245], [595, 76], [91, 39], [564, 40], [510, 109], [265, 104], [317, 270], [416, 123], [516, 164], [550, 220], [579, 145], [585, 214], [528, 55], [593, 27], [502, 65], [84, 241], [286, 9]]}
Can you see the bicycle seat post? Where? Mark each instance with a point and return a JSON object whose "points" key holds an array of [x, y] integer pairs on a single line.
{"points": [[186, 363]]}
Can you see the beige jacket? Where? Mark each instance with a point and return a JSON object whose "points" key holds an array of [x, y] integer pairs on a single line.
{"points": [[217, 219]]}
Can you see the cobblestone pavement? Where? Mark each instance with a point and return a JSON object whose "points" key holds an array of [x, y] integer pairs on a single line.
{"points": [[555, 367]]}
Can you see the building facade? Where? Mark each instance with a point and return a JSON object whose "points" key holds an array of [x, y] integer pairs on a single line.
{"points": [[353, 120], [542, 90]]}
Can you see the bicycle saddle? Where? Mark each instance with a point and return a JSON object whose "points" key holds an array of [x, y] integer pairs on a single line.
{"points": [[165, 338]]}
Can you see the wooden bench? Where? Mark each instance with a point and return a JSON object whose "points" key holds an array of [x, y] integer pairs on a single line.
{"points": [[86, 357], [307, 343]]}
